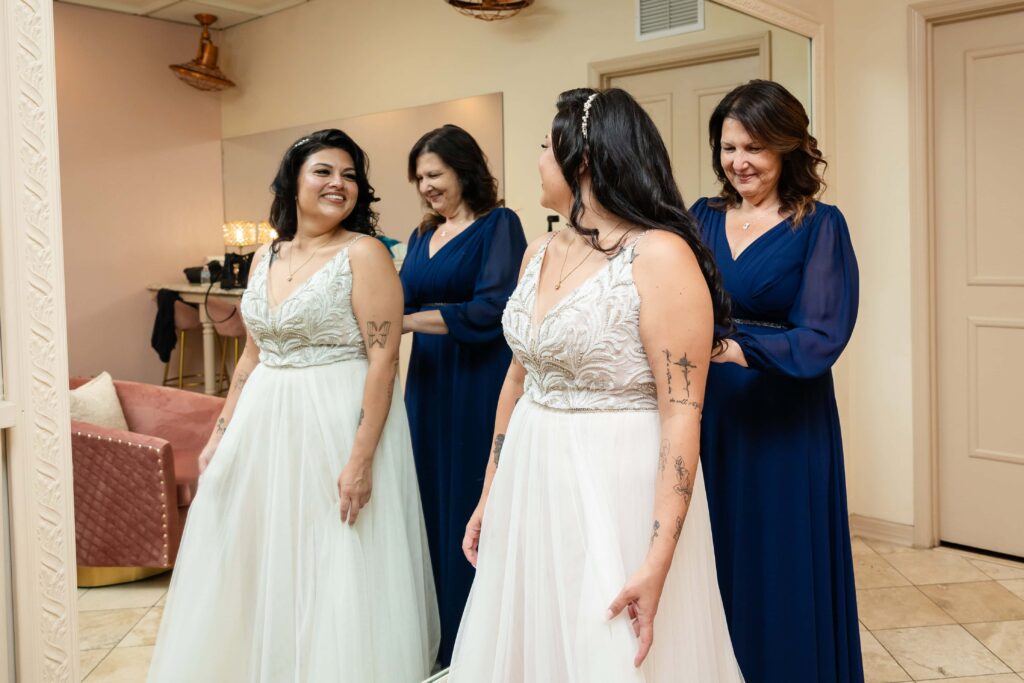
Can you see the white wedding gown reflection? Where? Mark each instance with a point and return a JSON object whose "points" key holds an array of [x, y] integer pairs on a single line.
{"points": [[270, 585]]}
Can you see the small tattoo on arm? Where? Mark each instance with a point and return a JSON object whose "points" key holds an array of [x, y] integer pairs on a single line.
{"points": [[679, 529], [668, 370], [686, 402], [499, 441], [238, 381], [222, 426], [683, 486], [654, 533], [377, 333], [663, 455], [362, 414], [686, 365]]}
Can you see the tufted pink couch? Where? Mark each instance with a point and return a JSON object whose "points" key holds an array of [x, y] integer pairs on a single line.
{"points": [[133, 488]]}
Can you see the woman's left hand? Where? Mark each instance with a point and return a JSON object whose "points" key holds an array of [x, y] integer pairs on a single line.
{"points": [[733, 353], [640, 597], [354, 486]]}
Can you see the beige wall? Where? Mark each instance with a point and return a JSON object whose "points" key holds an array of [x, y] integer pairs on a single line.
{"points": [[140, 180], [871, 159], [326, 59]]}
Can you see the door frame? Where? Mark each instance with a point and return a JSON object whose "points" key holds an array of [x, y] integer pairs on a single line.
{"points": [[34, 411], [753, 45], [923, 17]]}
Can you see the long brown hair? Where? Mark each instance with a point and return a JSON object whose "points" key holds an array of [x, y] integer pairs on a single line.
{"points": [[460, 152], [772, 116]]}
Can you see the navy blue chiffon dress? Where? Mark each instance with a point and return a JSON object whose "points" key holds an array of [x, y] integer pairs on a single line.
{"points": [[452, 388], [773, 455]]}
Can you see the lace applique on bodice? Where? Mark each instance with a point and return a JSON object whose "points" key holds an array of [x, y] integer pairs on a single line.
{"points": [[585, 353], [315, 325]]}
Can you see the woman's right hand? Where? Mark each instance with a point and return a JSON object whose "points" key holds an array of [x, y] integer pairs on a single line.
{"points": [[207, 454], [471, 541]]}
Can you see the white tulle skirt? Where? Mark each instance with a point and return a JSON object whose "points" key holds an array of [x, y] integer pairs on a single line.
{"points": [[568, 520], [269, 585]]}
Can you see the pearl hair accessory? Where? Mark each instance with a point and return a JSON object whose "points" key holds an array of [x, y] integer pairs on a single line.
{"points": [[300, 142], [586, 114]]}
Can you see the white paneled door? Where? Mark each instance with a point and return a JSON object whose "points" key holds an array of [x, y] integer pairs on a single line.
{"points": [[681, 100], [978, 162]]}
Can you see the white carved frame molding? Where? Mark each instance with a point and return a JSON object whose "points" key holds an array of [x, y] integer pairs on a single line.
{"points": [[33, 338], [923, 18]]}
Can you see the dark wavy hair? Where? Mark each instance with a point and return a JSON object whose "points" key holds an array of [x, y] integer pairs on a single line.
{"points": [[630, 175], [459, 151], [283, 210], [772, 116]]}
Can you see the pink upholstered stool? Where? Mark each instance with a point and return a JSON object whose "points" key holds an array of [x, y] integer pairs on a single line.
{"points": [[186, 319], [227, 320]]}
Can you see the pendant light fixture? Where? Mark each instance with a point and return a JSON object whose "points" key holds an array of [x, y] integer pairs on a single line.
{"points": [[490, 10], [203, 72]]}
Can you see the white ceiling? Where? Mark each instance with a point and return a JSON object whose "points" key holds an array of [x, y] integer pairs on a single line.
{"points": [[229, 12]]}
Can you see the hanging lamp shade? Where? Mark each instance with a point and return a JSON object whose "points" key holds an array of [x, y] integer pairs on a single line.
{"points": [[203, 72], [490, 10]]}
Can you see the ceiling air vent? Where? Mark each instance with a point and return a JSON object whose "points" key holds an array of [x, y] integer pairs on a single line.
{"points": [[660, 18]]}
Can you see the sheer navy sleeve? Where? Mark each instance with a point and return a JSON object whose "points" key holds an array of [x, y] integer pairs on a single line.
{"points": [[479, 320], [824, 311]]}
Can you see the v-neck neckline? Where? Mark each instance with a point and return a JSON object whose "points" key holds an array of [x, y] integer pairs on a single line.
{"points": [[535, 322], [728, 244], [275, 308], [455, 237]]}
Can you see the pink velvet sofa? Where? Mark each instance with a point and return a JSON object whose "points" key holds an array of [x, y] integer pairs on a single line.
{"points": [[133, 488]]}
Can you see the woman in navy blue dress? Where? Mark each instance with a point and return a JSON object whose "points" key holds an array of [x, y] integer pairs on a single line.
{"points": [[770, 442], [461, 266]]}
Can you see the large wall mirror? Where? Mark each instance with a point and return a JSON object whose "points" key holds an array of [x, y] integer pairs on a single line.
{"points": [[223, 178]]}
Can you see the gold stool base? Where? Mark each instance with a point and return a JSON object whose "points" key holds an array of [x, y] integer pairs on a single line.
{"points": [[93, 577]]}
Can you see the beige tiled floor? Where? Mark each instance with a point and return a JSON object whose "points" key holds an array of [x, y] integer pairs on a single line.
{"points": [[939, 614], [925, 615], [117, 628]]}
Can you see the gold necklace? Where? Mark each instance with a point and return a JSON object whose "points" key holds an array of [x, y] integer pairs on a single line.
{"points": [[291, 273], [562, 278]]}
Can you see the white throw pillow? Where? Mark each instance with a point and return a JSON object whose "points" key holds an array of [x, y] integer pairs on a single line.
{"points": [[96, 402]]}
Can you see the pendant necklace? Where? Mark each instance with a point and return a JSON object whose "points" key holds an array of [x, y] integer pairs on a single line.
{"points": [[562, 278], [291, 273]]}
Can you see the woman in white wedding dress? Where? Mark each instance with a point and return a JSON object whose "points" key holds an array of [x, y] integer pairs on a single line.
{"points": [[579, 540], [304, 558]]}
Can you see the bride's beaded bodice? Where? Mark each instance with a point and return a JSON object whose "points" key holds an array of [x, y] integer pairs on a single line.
{"points": [[585, 353], [315, 325]]}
